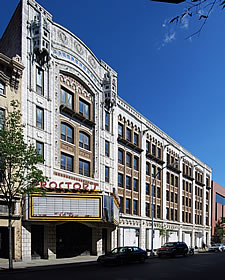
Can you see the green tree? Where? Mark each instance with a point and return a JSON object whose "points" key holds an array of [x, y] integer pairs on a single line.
{"points": [[19, 173], [220, 230]]}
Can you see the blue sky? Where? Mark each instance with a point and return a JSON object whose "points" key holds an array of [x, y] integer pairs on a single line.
{"points": [[176, 83]]}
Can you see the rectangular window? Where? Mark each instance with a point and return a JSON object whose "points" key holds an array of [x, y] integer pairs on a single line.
{"points": [[39, 81], [159, 153], [135, 207], [171, 196], [182, 200], [40, 117], [2, 88], [182, 216], [136, 139], [2, 118], [84, 108], [158, 192], [66, 98], [121, 204], [147, 146], [147, 168], [190, 187], [128, 208], [128, 160], [176, 198], [167, 213], [159, 173], [120, 156], [158, 211], [172, 179], [66, 162], [40, 148], [106, 148], [107, 174], [176, 181], [153, 150], [120, 180], [136, 163], [171, 214], [128, 135], [120, 130], [167, 195], [147, 188], [189, 202], [135, 185], [153, 170], [107, 121], [67, 133], [147, 209], [84, 168], [128, 182], [167, 177], [175, 214]]}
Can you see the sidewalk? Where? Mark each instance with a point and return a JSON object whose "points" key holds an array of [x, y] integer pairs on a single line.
{"points": [[44, 264]]}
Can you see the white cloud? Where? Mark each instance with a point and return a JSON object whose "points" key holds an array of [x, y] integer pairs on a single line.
{"points": [[184, 22], [169, 37]]}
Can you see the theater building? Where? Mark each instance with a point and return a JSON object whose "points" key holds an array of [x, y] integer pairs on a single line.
{"points": [[10, 89], [99, 152]]}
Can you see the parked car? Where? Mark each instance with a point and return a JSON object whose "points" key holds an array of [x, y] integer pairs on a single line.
{"points": [[172, 249], [217, 248], [123, 255]]}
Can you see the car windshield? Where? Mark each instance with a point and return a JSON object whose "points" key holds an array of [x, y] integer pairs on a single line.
{"points": [[168, 245]]}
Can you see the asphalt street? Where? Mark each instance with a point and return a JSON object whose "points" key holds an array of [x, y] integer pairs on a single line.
{"points": [[201, 266]]}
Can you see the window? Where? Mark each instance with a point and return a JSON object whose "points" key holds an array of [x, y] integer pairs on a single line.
{"points": [[66, 162], [189, 202], [207, 195], [121, 203], [159, 173], [107, 174], [84, 108], [153, 191], [159, 153], [120, 180], [66, 98], [120, 156], [39, 81], [158, 192], [135, 207], [147, 146], [39, 117], [190, 187], [128, 135], [187, 186], [67, 133], [120, 130], [147, 209], [171, 196], [158, 211], [167, 213], [106, 148], [135, 185], [2, 88], [167, 177], [172, 179], [136, 139], [147, 188], [167, 195], [176, 198], [153, 150], [147, 168], [175, 215], [153, 170], [40, 148], [168, 159], [182, 200], [128, 160], [128, 182], [84, 140], [2, 118], [176, 181], [186, 201], [128, 206], [136, 163], [84, 167], [171, 214], [107, 121]]}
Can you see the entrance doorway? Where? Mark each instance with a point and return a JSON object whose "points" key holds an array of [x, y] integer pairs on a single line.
{"points": [[4, 242], [73, 239], [37, 241]]}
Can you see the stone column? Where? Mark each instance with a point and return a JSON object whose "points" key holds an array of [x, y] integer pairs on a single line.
{"points": [[26, 242], [97, 241], [180, 234]]}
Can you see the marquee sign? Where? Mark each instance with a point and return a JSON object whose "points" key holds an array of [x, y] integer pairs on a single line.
{"points": [[54, 206]]}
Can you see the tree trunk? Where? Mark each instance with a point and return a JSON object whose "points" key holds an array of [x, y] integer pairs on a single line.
{"points": [[10, 236]]}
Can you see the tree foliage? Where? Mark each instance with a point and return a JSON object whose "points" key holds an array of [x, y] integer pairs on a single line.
{"points": [[199, 10], [19, 173]]}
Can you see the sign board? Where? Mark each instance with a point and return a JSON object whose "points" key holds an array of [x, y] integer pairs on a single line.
{"points": [[54, 206]]}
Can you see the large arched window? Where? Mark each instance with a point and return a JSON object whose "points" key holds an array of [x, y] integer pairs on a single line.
{"points": [[84, 140], [67, 133]]}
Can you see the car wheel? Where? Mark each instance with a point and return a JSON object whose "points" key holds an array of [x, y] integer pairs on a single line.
{"points": [[142, 259]]}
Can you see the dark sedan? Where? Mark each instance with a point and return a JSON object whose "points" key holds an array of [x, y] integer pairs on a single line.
{"points": [[123, 255]]}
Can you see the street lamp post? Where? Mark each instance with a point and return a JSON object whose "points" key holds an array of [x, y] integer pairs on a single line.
{"points": [[153, 184]]}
